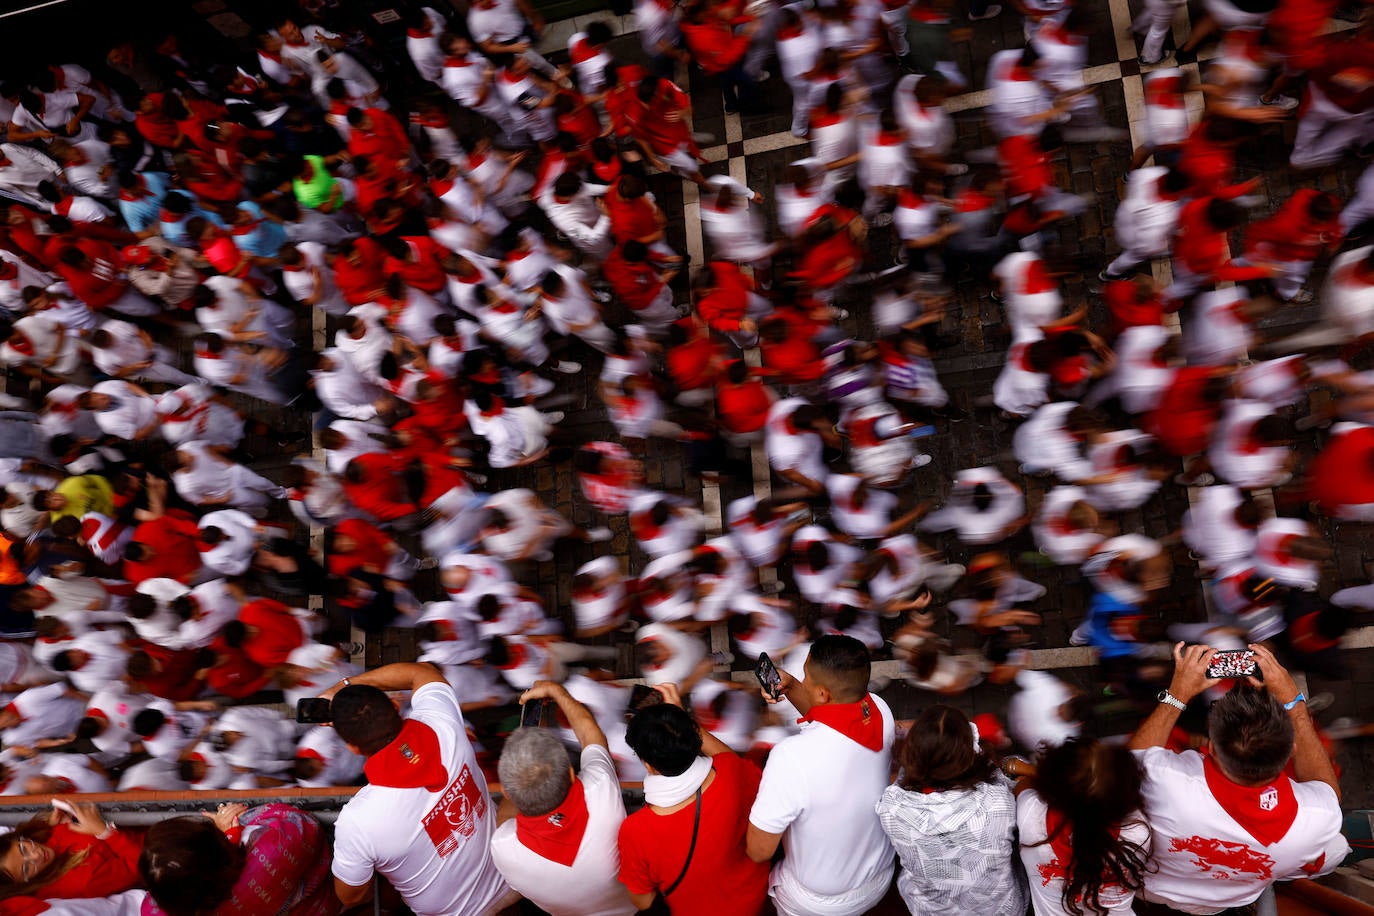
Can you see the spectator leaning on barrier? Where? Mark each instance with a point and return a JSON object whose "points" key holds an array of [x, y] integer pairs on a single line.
{"points": [[1227, 825], [820, 788], [559, 849], [425, 819]]}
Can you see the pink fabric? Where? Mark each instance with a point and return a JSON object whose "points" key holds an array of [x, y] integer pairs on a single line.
{"points": [[287, 867]]}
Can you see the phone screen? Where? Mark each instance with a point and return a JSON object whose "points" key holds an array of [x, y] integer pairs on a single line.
{"points": [[1232, 663], [314, 710], [768, 676], [532, 713]]}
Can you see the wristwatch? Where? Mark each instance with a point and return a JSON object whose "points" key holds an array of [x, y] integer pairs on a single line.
{"points": [[1166, 697]]}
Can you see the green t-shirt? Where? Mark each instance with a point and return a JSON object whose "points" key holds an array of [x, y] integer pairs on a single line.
{"points": [[322, 187]]}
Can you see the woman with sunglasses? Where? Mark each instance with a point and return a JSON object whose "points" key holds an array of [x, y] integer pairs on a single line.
{"points": [[67, 855]]}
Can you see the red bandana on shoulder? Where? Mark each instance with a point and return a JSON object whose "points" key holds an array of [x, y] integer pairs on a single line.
{"points": [[556, 836], [410, 761], [859, 722], [1266, 812]]}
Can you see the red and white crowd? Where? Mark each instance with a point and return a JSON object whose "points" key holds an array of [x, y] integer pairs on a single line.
{"points": [[198, 252]]}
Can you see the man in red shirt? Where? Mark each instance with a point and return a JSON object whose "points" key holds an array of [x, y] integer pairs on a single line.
{"points": [[1201, 257], [167, 547], [722, 51], [742, 404], [95, 273], [641, 284], [696, 786], [379, 136], [1293, 238], [1340, 479], [1187, 414], [727, 303]]}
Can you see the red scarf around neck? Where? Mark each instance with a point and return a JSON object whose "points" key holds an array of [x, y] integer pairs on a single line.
{"points": [[860, 722], [556, 836], [410, 761], [1265, 812]]}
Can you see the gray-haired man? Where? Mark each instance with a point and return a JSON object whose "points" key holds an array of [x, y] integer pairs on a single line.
{"points": [[559, 847]]}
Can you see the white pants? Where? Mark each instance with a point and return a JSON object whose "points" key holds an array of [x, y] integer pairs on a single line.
{"points": [[1155, 21], [1325, 131], [657, 315], [1361, 206], [791, 899]]}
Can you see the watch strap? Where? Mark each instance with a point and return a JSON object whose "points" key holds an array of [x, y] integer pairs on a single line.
{"points": [[1167, 697], [1300, 698]]}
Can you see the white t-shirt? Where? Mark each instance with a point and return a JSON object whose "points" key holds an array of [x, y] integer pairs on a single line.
{"points": [[819, 790], [434, 847], [1033, 711], [791, 451], [1046, 873], [1207, 862], [591, 885]]}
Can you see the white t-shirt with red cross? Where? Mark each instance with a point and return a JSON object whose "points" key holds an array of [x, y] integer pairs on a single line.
{"points": [[1208, 834], [434, 847]]}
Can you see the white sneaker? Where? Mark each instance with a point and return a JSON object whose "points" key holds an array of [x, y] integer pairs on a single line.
{"points": [[554, 417], [1079, 636], [567, 367], [598, 535], [921, 461]]}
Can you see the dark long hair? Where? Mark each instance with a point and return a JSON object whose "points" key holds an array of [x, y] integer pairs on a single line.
{"points": [[189, 866], [1097, 790], [939, 753]]}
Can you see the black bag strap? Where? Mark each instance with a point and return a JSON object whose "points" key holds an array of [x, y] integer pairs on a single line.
{"points": [[696, 825]]}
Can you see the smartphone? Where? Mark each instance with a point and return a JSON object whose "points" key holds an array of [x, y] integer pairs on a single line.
{"points": [[1233, 663], [313, 710], [532, 713], [642, 696], [768, 676]]}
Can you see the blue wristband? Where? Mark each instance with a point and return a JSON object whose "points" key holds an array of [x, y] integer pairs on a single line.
{"points": [[1300, 698]]}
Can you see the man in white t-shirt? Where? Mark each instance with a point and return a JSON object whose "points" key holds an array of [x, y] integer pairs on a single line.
{"points": [[425, 820], [1226, 826], [559, 847], [820, 787]]}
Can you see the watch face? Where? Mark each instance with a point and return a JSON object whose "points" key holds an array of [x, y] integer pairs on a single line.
{"points": [[1161, 695]]}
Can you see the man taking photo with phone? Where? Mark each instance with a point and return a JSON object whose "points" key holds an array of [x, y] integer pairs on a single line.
{"points": [[820, 789], [558, 848], [1227, 825], [425, 819]]}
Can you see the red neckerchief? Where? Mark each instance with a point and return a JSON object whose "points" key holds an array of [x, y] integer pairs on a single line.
{"points": [[1265, 812], [412, 760], [1037, 279], [556, 836], [20, 343], [858, 722]]}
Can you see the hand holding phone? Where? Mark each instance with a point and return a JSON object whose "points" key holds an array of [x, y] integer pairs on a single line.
{"points": [[769, 678], [532, 713]]}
